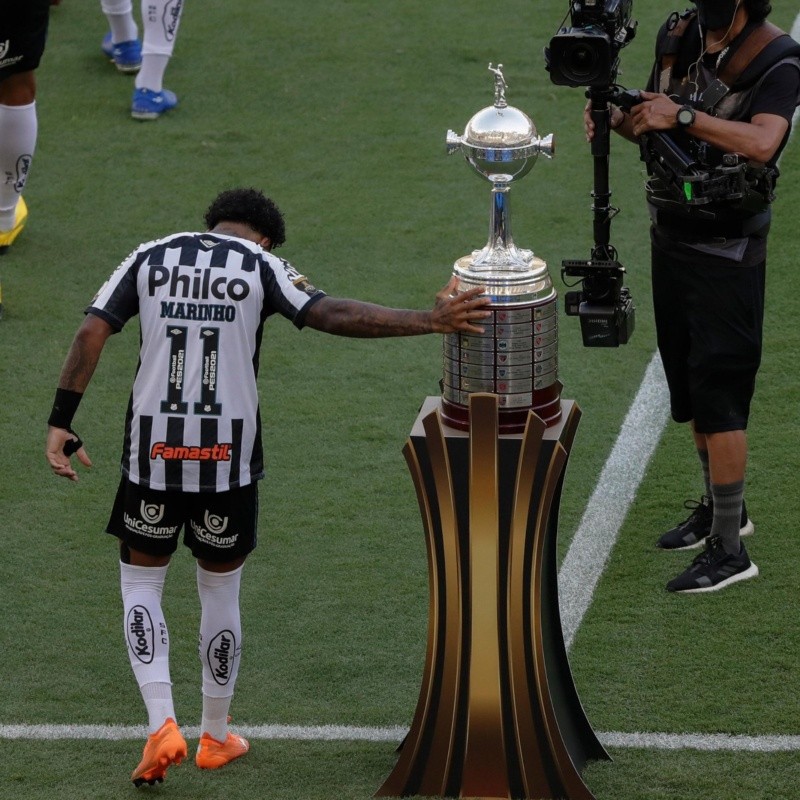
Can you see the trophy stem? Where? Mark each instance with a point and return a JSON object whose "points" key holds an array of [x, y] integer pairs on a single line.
{"points": [[500, 249], [500, 221]]}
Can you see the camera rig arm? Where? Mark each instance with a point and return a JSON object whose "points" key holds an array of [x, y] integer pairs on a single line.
{"points": [[602, 210]]}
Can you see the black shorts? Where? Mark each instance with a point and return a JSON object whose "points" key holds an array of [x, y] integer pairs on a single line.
{"points": [[218, 527], [709, 314], [24, 35]]}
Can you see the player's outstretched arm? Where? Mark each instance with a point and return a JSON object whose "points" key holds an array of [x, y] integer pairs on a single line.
{"points": [[450, 314], [79, 366]]}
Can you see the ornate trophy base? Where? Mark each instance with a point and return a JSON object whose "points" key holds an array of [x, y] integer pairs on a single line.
{"points": [[545, 403], [498, 715], [516, 357]]}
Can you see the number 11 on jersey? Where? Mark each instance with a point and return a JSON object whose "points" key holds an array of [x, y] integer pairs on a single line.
{"points": [[174, 404]]}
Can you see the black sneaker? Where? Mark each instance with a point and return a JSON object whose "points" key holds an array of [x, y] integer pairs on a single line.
{"points": [[714, 569], [690, 534]]}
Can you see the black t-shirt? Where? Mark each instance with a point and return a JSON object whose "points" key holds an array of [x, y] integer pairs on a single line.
{"points": [[778, 94]]}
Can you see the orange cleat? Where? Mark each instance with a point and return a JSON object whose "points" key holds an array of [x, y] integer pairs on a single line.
{"points": [[164, 748], [213, 754]]}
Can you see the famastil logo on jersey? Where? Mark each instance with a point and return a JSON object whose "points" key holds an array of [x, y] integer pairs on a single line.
{"points": [[221, 451], [139, 627], [221, 655]]}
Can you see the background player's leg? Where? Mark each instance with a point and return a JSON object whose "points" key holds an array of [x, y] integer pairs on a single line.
{"points": [[18, 132], [160, 21], [121, 44], [119, 14]]}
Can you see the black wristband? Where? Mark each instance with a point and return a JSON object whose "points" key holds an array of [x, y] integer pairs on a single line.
{"points": [[64, 407]]}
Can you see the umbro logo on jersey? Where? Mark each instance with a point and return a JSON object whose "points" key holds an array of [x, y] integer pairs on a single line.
{"points": [[209, 243], [216, 452]]}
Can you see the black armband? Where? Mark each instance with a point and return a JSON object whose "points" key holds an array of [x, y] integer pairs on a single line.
{"points": [[64, 407]]}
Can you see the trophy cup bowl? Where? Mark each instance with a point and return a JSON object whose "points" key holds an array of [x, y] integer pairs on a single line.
{"points": [[500, 143], [517, 356]]}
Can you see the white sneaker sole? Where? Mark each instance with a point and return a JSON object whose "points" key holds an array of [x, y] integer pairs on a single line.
{"points": [[750, 572]]}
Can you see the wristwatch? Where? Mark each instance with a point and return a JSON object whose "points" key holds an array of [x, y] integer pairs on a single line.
{"points": [[685, 116]]}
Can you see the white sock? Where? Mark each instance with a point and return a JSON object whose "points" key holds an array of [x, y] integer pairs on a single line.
{"points": [[119, 14], [158, 702], [151, 73], [148, 639], [160, 20], [215, 717], [220, 646], [18, 129]]}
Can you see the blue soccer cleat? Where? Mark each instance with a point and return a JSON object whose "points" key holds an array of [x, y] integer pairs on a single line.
{"points": [[151, 105], [126, 56]]}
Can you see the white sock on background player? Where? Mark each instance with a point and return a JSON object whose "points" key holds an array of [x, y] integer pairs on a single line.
{"points": [[147, 638], [220, 646], [160, 21], [119, 14], [20, 126]]}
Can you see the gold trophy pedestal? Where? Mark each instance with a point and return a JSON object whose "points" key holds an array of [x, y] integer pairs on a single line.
{"points": [[498, 715]]}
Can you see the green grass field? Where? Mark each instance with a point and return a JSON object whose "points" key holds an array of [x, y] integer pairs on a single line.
{"points": [[339, 111]]}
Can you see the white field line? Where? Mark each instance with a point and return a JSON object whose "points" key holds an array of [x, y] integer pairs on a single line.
{"points": [[582, 568], [395, 734], [606, 511]]}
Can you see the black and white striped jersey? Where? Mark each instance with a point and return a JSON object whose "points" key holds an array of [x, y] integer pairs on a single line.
{"points": [[193, 421]]}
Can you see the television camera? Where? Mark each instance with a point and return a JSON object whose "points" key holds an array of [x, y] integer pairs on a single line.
{"points": [[587, 54]]}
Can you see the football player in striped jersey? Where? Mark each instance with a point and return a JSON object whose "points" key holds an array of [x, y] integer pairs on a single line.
{"points": [[192, 454]]}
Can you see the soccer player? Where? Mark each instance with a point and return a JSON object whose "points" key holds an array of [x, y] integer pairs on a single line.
{"points": [[192, 450], [21, 47], [148, 58]]}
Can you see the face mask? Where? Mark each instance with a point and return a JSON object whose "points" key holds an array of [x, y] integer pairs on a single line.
{"points": [[715, 15]]}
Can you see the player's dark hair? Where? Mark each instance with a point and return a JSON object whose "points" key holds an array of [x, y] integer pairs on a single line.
{"points": [[251, 208], [757, 10]]}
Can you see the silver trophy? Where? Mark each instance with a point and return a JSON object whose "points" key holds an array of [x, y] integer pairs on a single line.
{"points": [[517, 355]]}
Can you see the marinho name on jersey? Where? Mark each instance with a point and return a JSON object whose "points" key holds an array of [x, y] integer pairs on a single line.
{"points": [[199, 286]]}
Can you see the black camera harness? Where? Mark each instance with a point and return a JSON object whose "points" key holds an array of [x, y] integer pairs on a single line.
{"points": [[684, 183]]}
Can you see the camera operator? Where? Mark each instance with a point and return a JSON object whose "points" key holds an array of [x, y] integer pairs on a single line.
{"points": [[724, 88]]}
